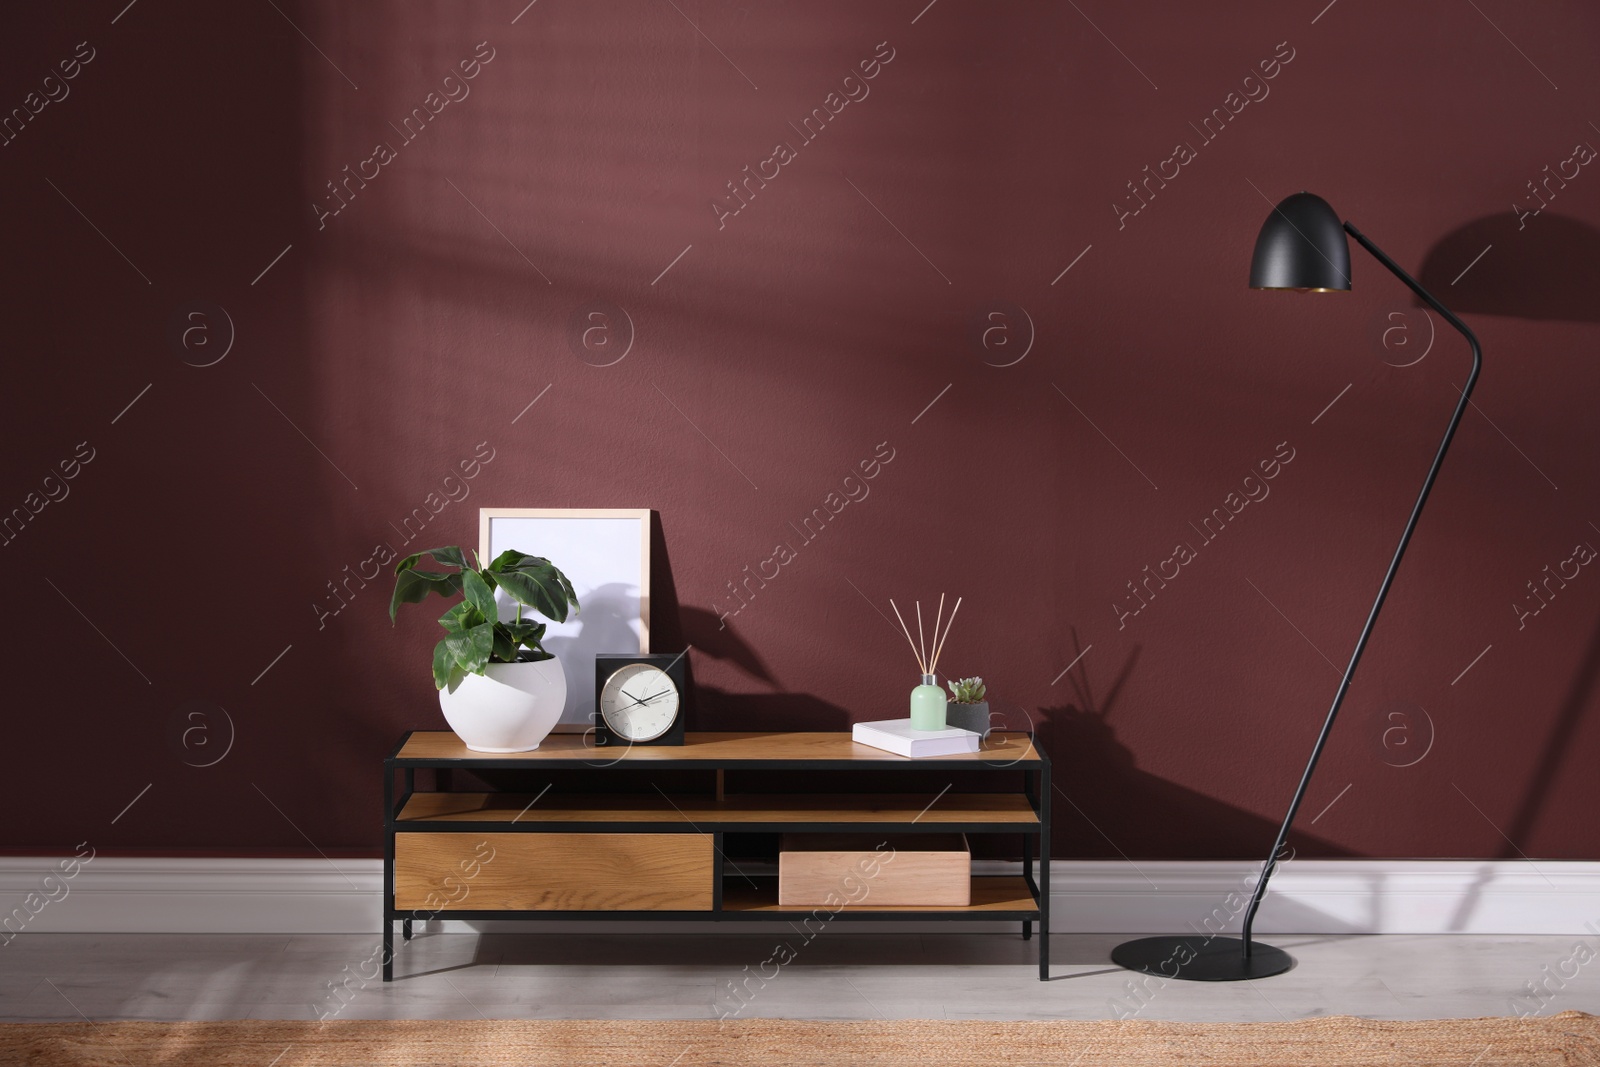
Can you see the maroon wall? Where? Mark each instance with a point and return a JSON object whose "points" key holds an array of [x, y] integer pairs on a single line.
{"points": [[989, 152]]}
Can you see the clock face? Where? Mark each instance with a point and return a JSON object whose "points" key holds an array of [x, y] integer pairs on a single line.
{"points": [[639, 702]]}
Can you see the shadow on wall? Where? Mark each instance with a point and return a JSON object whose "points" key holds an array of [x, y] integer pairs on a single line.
{"points": [[1544, 775], [674, 627], [702, 629], [718, 709], [1556, 746], [1544, 267], [1169, 821], [604, 625]]}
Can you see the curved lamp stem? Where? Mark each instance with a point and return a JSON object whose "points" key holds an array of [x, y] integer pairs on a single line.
{"points": [[1388, 578]]}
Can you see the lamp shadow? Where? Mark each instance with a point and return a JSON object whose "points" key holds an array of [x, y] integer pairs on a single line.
{"points": [[1557, 747], [702, 629], [1544, 267], [675, 626], [1106, 799], [719, 709]]}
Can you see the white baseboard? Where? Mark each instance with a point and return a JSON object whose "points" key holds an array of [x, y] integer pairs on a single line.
{"points": [[1379, 896], [201, 896], [160, 895]]}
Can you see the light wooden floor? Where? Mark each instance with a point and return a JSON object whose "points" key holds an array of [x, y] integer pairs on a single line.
{"points": [[837, 976]]}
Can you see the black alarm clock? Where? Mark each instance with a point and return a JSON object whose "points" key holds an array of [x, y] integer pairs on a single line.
{"points": [[640, 699]]}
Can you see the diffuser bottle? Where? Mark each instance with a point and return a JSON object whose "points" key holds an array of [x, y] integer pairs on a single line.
{"points": [[927, 699], [927, 705]]}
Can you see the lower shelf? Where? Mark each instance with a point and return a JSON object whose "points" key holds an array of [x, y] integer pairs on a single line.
{"points": [[1006, 895]]}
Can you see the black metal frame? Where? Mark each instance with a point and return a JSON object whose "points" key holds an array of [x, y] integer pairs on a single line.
{"points": [[1036, 788]]}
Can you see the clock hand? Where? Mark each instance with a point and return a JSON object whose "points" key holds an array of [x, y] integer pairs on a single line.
{"points": [[645, 700]]}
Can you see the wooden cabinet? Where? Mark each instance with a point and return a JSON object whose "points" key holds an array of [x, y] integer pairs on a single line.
{"points": [[614, 844]]}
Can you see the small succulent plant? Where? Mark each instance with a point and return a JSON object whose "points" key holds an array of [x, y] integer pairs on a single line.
{"points": [[967, 691]]}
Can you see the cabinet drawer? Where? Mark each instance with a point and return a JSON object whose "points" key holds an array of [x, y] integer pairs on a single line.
{"points": [[553, 872]]}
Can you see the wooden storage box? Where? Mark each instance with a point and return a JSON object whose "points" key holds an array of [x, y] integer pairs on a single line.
{"points": [[898, 870]]}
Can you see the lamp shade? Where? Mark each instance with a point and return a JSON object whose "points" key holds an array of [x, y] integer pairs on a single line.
{"points": [[1302, 246]]}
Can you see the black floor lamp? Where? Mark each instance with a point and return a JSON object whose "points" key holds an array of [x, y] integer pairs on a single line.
{"points": [[1302, 247]]}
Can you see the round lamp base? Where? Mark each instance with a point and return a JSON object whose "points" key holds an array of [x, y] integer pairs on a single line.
{"points": [[1200, 959]]}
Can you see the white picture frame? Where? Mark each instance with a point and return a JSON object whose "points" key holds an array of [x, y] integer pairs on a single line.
{"points": [[605, 553]]}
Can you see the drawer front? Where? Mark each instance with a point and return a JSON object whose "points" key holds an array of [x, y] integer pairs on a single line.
{"points": [[919, 870], [553, 872]]}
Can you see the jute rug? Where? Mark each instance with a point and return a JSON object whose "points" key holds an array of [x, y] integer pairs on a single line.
{"points": [[1569, 1038]]}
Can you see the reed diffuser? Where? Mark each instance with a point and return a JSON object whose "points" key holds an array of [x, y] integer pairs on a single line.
{"points": [[927, 699]]}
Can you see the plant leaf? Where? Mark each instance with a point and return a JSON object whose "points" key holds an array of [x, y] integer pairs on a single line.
{"points": [[478, 593], [449, 555], [527, 632], [443, 664], [566, 587], [460, 616], [510, 559], [523, 637], [541, 571], [471, 647], [505, 646], [413, 586], [538, 589]]}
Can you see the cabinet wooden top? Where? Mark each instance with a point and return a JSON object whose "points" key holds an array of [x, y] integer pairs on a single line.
{"points": [[1000, 750]]}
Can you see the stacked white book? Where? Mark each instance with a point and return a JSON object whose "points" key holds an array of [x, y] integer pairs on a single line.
{"points": [[897, 736]]}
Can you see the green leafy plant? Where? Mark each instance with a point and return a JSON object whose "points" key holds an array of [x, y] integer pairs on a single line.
{"points": [[968, 691], [474, 634]]}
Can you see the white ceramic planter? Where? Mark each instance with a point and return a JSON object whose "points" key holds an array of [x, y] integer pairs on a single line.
{"points": [[510, 708]]}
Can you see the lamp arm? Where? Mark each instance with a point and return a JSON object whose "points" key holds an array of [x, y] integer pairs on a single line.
{"points": [[1388, 578]]}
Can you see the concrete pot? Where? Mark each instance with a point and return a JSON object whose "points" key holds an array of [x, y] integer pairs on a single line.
{"points": [[974, 717]]}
